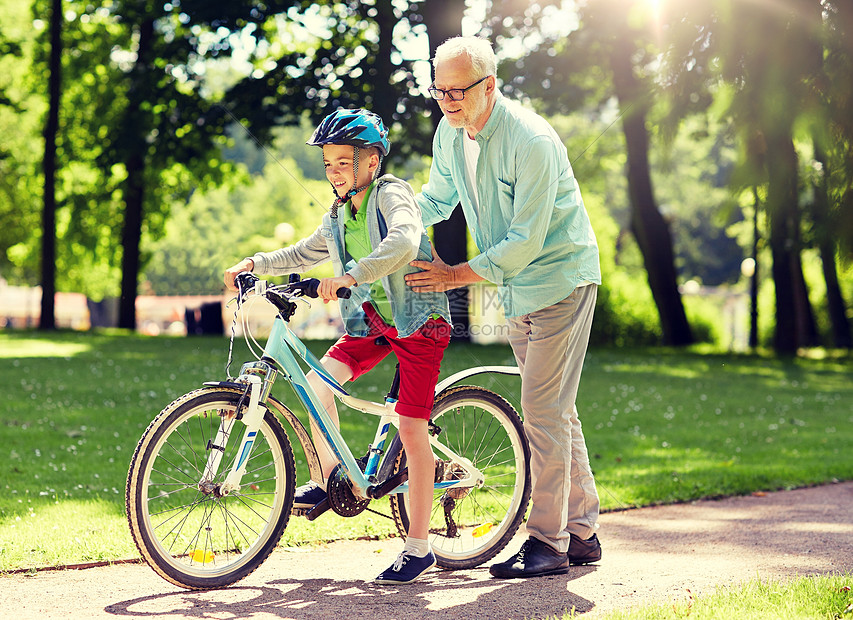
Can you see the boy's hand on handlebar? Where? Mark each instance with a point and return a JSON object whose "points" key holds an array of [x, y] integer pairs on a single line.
{"points": [[327, 290], [247, 264]]}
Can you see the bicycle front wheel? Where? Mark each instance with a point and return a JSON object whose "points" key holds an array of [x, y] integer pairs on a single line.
{"points": [[189, 533], [470, 525]]}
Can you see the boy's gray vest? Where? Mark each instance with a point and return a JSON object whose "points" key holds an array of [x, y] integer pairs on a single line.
{"points": [[410, 310]]}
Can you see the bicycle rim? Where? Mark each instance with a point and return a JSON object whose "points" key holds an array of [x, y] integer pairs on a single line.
{"points": [[469, 526], [199, 539]]}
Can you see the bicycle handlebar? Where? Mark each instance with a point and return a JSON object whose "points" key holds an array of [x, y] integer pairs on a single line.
{"points": [[245, 281]]}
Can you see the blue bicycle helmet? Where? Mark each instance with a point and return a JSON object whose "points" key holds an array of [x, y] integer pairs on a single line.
{"points": [[360, 128]]}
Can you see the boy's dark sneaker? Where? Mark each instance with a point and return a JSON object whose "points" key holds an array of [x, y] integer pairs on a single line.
{"points": [[584, 551], [406, 568], [308, 495]]}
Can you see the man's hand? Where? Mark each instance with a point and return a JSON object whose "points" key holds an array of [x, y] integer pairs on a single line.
{"points": [[328, 287], [247, 264], [438, 276]]}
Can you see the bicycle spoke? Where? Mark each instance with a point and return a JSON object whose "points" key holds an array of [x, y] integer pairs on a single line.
{"points": [[471, 524], [200, 537]]}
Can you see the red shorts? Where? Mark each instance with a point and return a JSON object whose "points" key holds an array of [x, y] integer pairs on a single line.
{"points": [[419, 355]]}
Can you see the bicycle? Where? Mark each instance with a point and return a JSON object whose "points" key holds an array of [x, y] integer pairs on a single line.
{"points": [[211, 483]]}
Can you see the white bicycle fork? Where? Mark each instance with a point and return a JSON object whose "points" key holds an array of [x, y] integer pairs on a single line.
{"points": [[252, 421]]}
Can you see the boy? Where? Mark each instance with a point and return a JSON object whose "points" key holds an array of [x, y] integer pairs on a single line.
{"points": [[371, 234]]}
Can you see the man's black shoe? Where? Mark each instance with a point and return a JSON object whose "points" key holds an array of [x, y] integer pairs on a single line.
{"points": [[535, 558], [584, 551]]}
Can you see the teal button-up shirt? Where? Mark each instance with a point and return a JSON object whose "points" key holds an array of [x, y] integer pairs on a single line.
{"points": [[531, 228]]}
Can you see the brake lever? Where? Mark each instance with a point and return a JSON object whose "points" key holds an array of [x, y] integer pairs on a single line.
{"points": [[245, 281]]}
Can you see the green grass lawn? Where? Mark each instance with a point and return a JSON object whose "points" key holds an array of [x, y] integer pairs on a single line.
{"points": [[824, 597], [661, 426]]}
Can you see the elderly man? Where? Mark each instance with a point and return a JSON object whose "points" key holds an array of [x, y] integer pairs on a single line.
{"points": [[522, 204]]}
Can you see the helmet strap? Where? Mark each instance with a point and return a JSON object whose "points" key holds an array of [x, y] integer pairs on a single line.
{"points": [[342, 200]]}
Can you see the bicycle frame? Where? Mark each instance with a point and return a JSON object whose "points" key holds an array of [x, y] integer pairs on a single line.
{"points": [[260, 375]]}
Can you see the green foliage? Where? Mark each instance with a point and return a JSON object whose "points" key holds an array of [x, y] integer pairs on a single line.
{"points": [[691, 176], [211, 63], [21, 109], [215, 230], [148, 91], [625, 314]]}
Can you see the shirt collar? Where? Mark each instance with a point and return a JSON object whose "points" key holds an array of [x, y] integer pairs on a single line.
{"points": [[347, 208]]}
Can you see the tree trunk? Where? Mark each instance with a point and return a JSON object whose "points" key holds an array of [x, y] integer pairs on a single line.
{"points": [[648, 225], [47, 320], [451, 236], [134, 190], [385, 95], [753, 279], [825, 225], [792, 307], [841, 337], [134, 195]]}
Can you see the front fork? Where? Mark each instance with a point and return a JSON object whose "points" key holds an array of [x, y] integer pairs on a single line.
{"points": [[259, 376]]}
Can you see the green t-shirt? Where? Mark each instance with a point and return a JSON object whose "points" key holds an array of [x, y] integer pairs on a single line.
{"points": [[357, 244]]}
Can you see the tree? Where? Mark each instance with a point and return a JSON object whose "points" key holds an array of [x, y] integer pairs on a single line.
{"points": [[647, 223], [450, 237], [827, 243], [147, 125], [782, 68], [610, 54], [771, 58], [21, 126], [140, 123], [833, 150], [47, 319]]}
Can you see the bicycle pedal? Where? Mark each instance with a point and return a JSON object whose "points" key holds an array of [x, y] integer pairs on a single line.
{"points": [[311, 513], [317, 510]]}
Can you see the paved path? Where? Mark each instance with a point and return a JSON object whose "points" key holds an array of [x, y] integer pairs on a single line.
{"points": [[650, 555]]}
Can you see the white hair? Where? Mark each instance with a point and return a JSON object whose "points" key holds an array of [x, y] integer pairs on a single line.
{"points": [[477, 49]]}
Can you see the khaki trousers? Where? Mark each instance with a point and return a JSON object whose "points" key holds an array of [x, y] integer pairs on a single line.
{"points": [[549, 346]]}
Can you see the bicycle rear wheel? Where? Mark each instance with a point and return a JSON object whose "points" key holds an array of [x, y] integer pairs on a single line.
{"points": [[470, 525], [194, 537]]}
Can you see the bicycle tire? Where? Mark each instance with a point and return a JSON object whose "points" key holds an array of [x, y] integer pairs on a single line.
{"points": [[484, 428], [199, 540]]}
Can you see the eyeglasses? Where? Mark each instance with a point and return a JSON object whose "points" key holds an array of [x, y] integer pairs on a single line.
{"points": [[455, 94]]}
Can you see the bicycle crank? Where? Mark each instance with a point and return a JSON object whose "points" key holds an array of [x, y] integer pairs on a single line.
{"points": [[341, 498]]}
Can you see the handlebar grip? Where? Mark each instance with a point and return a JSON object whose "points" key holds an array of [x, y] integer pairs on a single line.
{"points": [[309, 289]]}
